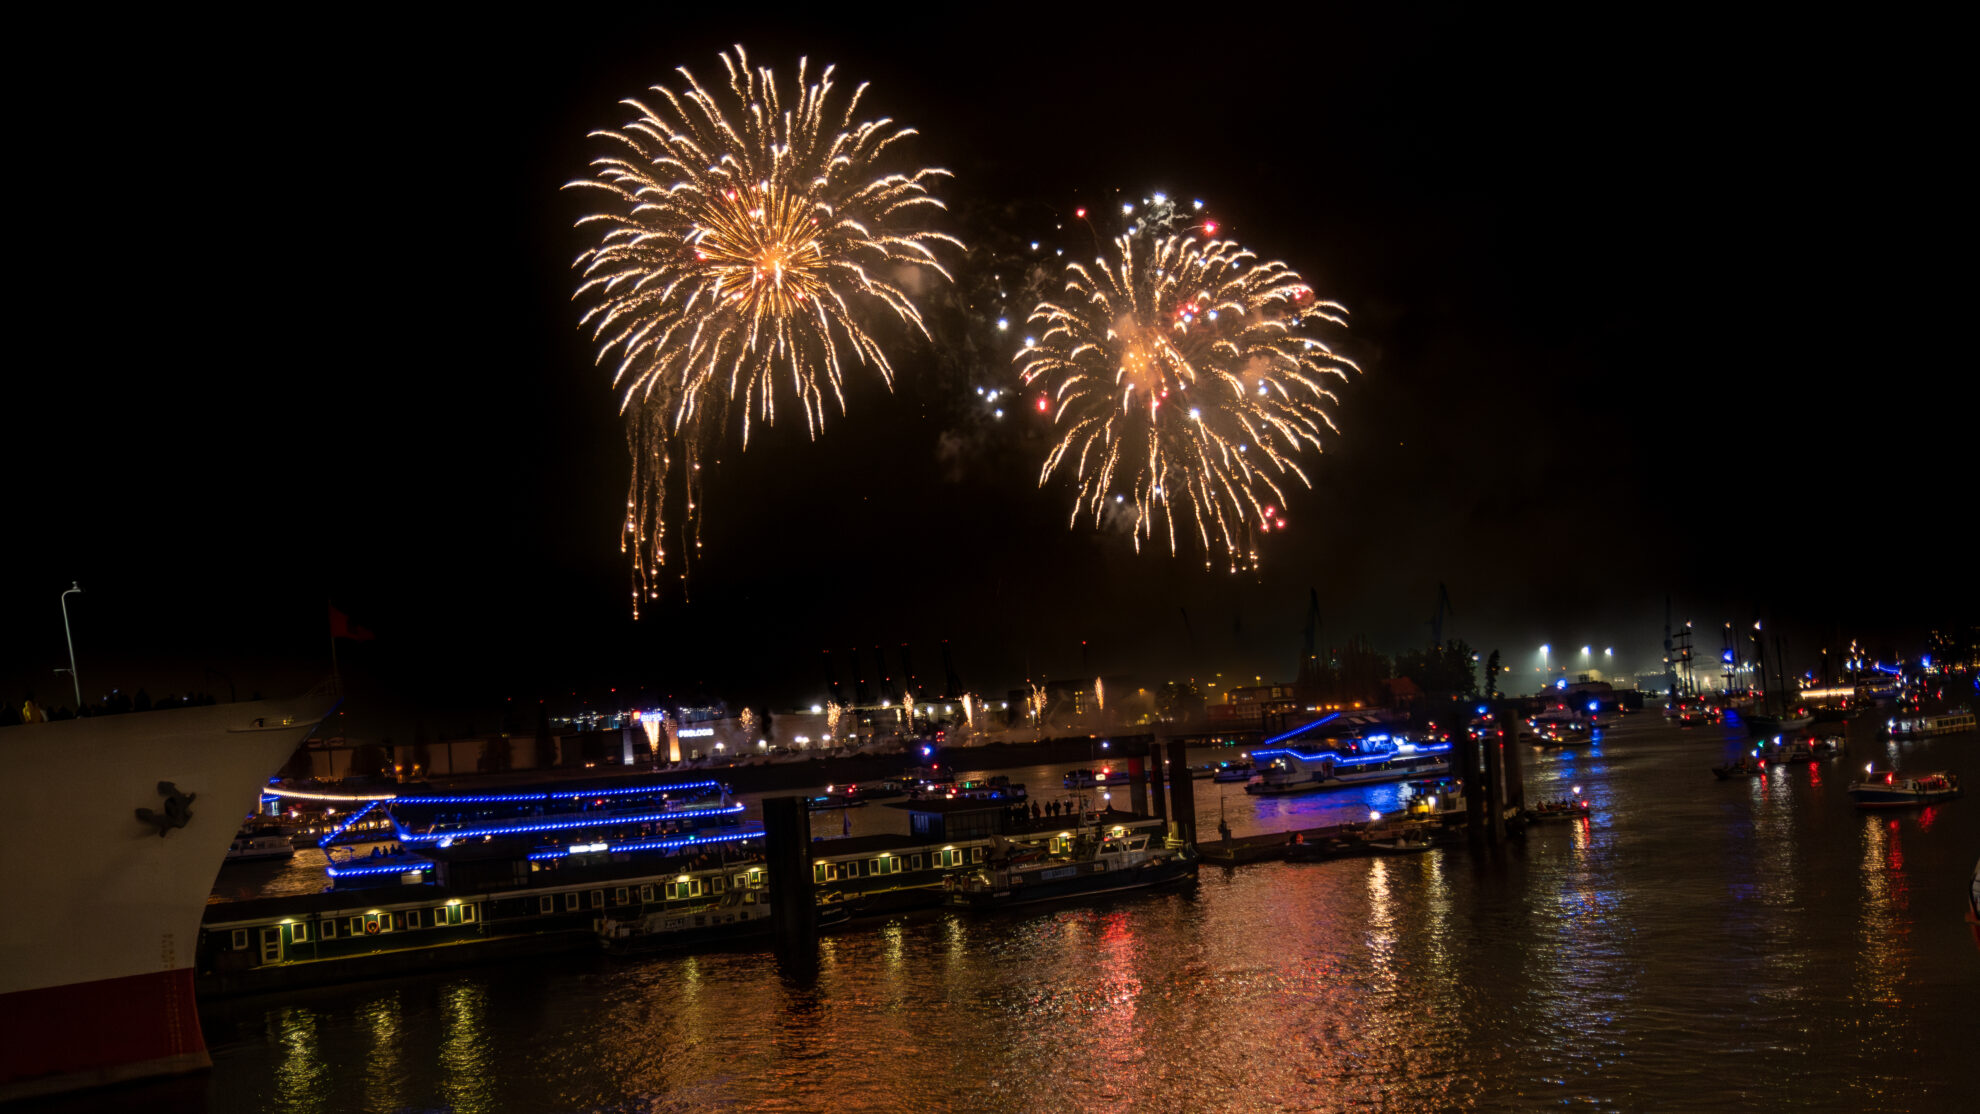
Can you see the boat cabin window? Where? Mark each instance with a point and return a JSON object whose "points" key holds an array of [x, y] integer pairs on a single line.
{"points": [[240, 939], [976, 854], [852, 868], [915, 863], [357, 926], [546, 904], [1138, 844], [329, 929], [646, 892], [467, 914], [873, 866], [619, 896], [818, 872], [756, 874], [718, 884], [412, 918], [598, 899], [571, 901], [299, 933]]}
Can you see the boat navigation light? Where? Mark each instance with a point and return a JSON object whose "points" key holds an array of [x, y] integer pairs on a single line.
{"points": [[1374, 816], [1577, 790], [1867, 767]]}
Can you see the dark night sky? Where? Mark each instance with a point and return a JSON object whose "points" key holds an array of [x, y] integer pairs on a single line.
{"points": [[1644, 308]]}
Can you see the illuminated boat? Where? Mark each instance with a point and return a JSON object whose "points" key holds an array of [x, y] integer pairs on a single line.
{"points": [[1950, 723], [261, 841], [99, 954], [1573, 807], [1231, 772], [1340, 763], [1087, 779], [473, 877], [1895, 790], [1091, 863]]}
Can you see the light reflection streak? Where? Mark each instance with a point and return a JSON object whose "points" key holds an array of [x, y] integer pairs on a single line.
{"points": [[467, 1080], [300, 1071]]}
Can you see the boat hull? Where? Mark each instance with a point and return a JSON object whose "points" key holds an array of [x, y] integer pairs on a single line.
{"points": [[1084, 885], [1897, 798], [1366, 777], [104, 964]]}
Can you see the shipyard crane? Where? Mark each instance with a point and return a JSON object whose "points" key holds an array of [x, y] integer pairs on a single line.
{"points": [[1437, 621]]}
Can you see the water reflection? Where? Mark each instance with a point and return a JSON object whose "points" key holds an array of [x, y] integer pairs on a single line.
{"points": [[1761, 929]]}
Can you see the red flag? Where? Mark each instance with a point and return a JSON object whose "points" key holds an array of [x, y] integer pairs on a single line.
{"points": [[342, 627]]}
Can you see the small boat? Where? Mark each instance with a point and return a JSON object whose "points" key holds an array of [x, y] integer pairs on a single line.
{"points": [[737, 915], [1564, 808], [832, 799], [1094, 865], [1231, 772], [1088, 779], [1805, 749], [1896, 790], [1403, 843], [262, 841]]}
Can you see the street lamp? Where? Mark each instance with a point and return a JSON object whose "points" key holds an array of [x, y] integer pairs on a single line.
{"points": [[74, 586]]}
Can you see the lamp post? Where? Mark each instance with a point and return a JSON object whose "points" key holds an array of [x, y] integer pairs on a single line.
{"points": [[74, 586]]}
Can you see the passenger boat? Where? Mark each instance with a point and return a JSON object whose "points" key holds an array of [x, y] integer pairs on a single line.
{"points": [[1345, 762], [261, 841], [1093, 864], [1230, 773], [1950, 723], [99, 977], [1896, 790], [1761, 725]]}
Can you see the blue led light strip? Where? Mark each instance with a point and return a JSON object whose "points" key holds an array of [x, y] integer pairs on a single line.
{"points": [[358, 871], [1355, 760], [652, 845], [568, 795], [339, 829], [1329, 718], [593, 820]]}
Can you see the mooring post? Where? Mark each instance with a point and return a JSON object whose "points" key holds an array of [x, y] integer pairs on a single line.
{"points": [[1158, 792], [1474, 789], [1182, 792], [1138, 786], [1515, 761], [1495, 789], [786, 846]]}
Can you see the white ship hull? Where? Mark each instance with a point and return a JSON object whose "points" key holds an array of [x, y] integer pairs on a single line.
{"points": [[99, 943]]}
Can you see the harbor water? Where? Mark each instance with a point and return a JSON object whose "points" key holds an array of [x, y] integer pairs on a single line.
{"points": [[1694, 945]]}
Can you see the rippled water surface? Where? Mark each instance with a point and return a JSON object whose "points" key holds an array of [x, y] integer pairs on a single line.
{"points": [[1697, 945]]}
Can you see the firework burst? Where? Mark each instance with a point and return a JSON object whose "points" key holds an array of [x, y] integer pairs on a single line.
{"points": [[1184, 378], [744, 239]]}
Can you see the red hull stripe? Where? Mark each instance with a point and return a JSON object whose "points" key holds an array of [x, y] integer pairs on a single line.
{"points": [[66, 1037]]}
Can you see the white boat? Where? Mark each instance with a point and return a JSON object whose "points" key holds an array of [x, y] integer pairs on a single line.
{"points": [[1950, 723], [261, 842], [136, 812], [1891, 789]]}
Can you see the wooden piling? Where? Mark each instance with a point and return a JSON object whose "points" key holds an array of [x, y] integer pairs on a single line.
{"points": [[787, 854], [1158, 792], [1138, 786], [1495, 789], [1182, 792], [1474, 790], [1515, 760]]}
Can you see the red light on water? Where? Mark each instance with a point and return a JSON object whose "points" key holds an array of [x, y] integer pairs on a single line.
{"points": [[1080, 213], [1042, 406]]}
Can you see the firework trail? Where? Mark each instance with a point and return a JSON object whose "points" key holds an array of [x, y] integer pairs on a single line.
{"points": [[743, 238], [1184, 378]]}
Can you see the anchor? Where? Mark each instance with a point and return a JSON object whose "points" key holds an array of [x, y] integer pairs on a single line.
{"points": [[178, 809]]}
